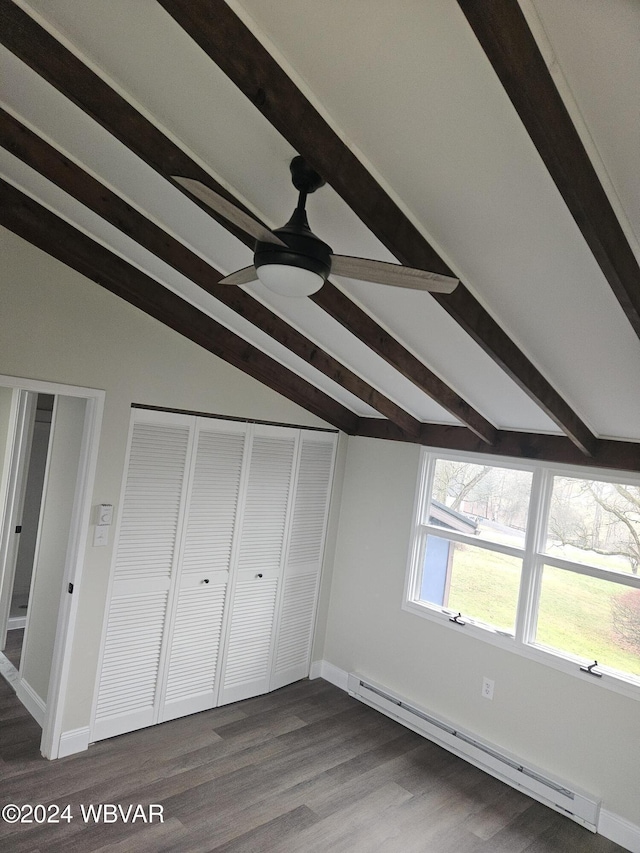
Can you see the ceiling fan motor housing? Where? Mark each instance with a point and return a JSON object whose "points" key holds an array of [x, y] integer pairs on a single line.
{"points": [[303, 250]]}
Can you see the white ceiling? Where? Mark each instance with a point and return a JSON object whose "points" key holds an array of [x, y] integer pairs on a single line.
{"points": [[409, 89]]}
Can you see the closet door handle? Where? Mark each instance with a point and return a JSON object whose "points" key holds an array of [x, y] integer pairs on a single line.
{"points": [[259, 575], [206, 580]]}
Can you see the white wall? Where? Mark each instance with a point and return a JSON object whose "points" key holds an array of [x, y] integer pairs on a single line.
{"points": [[56, 325], [576, 730]]}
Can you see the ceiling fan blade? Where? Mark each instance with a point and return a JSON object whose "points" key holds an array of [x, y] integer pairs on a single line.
{"points": [[396, 275], [228, 210], [243, 276]]}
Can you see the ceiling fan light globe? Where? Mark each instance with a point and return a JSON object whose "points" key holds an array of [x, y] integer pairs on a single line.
{"points": [[288, 280]]}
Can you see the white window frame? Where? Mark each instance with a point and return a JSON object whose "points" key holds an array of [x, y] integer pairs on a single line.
{"points": [[533, 559]]}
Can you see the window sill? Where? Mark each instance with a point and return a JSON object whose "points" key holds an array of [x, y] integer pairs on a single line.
{"points": [[550, 658]]}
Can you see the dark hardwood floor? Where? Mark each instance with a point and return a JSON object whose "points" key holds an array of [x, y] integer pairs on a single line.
{"points": [[303, 769]]}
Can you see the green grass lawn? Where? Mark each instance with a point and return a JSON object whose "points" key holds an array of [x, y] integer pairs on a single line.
{"points": [[575, 614], [484, 585]]}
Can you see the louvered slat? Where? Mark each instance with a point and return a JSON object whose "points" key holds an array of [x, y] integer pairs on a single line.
{"points": [[307, 531], [296, 621], [152, 499], [195, 642], [266, 504], [130, 662], [250, 635], [213, 502]]}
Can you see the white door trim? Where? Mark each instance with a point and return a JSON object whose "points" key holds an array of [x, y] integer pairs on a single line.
{"points": [[13, 487]]}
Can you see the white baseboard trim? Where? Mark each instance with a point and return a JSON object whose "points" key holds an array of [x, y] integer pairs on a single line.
{"points": [[75, 740], [315, 670], [610, 826], [31, 701], [332, 674], [619, 830]]}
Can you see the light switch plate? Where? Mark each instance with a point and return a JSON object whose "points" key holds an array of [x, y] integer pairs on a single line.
{"points": [[101, 535]]}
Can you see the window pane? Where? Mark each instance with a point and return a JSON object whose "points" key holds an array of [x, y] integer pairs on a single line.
{"points": [[595, 523], [590, 618], [481, 500], [481, 584]]}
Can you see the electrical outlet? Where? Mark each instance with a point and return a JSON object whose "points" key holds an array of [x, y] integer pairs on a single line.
{"points": [[487, 687]]}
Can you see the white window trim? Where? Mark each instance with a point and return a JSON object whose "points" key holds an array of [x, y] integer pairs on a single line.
{"points": [[533, 558]]}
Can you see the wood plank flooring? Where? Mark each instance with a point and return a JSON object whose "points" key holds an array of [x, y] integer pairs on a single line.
{"points": [[306, 769]]}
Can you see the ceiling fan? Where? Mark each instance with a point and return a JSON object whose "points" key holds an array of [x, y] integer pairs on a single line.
{"points": [[292, 261]]}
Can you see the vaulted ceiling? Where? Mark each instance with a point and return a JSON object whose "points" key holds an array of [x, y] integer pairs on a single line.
{"points": [[492, 140]]}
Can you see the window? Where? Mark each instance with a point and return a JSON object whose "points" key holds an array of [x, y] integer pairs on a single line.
{"points": [[538, 559], [589, 602]]}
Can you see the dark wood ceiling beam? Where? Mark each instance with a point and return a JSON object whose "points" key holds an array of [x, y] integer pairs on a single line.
{"points": [[234, 48], [56, 167], [24, 37], [58, 238], [615, 455], [31, 43], [504, 35]]}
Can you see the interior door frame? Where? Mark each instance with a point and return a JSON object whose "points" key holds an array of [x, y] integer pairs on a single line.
{"points": [[13, 487], [77, 544]]}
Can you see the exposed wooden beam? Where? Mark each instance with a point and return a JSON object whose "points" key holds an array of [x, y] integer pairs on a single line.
{"points": [[616, 455], [503, 32], [62, 69], [24, 37], [56, 167], [58, 238], [234, 48]]}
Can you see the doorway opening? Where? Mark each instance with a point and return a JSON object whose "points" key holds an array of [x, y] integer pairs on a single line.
{"points": [[40, 433], [48, 449], [38, 427]]}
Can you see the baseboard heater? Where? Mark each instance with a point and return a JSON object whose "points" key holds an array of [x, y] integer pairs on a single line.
{"points": [[577, 805]]}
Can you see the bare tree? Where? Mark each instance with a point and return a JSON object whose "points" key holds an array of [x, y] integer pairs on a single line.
{"points": [[454, 481], [596, 516], [626, 618], [467, 488], [626, 509], [499, 494]]}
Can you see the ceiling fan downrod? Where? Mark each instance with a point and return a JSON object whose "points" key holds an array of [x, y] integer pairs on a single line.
{"points": [[303, 248]]}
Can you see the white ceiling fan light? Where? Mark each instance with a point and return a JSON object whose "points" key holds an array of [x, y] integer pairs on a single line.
{"points": [[292, 261], [286, 280]]}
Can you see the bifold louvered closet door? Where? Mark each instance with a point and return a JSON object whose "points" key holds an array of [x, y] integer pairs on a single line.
{"points": [[303, 559], [194, 625], [214, 586], [146, 564], [263, 530]]}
